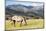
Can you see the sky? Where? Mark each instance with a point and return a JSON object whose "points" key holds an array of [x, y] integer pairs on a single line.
{"points": [[11, 2]]}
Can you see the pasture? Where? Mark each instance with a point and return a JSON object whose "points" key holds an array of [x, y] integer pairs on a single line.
{"points": [[31, 24]]}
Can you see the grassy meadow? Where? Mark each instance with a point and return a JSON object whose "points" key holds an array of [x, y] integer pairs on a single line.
{"points": [[31, 24]]}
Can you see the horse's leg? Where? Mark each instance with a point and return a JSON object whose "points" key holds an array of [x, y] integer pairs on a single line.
{"points": [[25, 21], [14, 22], [21, 23]]}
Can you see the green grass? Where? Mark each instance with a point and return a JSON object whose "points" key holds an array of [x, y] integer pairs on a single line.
{"points": [[31, 23]]}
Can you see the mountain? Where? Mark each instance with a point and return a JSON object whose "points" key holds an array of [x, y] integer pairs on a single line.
{"points": [[25, 10], [17, 8]]}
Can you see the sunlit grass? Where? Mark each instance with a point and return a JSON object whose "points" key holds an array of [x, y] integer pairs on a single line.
{"points": [[31, 23]]}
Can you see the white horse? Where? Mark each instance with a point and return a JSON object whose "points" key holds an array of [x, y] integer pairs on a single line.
{"points": [[18, 19]]}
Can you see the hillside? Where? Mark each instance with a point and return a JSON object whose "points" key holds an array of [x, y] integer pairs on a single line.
{"points": [[24, 10]]}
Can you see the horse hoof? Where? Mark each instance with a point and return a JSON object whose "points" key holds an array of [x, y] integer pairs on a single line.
{"points": [[20, 26], [14, 26], [25, 24]]}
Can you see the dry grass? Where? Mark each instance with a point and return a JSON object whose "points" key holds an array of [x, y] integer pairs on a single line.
{"points": [[31, 23]]}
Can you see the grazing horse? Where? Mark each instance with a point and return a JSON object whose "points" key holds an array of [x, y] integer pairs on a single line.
{"points": [[19, 19]]}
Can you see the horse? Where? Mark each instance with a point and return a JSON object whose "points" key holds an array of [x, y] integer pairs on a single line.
{"points": [[18, 19]]}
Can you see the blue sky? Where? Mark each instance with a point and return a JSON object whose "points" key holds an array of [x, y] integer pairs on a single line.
{"points": [[11, 2]]}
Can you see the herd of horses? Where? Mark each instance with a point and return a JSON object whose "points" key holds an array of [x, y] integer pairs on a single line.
{"points": [[18, 19]]}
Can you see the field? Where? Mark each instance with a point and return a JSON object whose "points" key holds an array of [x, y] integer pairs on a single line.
{"points": [[31, 24]]}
